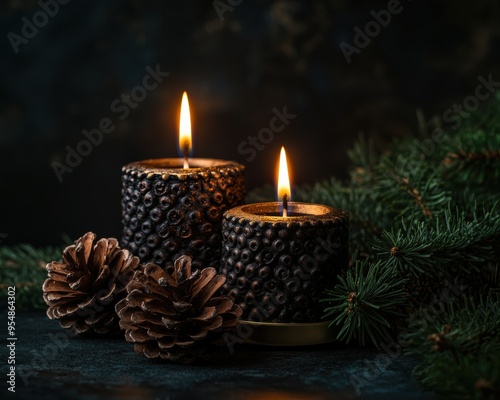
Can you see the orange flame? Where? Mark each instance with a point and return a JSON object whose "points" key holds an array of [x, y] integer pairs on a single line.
{"points": [[284, 191], [185, 141]]}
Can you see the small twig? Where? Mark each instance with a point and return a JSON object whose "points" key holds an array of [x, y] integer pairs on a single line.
{"points": [[413, 192]]}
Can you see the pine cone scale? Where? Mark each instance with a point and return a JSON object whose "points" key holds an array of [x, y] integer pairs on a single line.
{"points": [[221, 304], [167, 345], [61, 311], [208, 291], [83, 282], [57, 276], [140, 336], [200, 336], [69, 256], [215, 324], [177, 343], [57, 267], [100, 251], [141, 317], [117, 261], [135, 298], [61, 298], [158, 275], [141, 283], [207, 314], [89, 302], [157, 306], [182, 270], [182, 306], [51, 286], [206, 276], [84, 248], [157, 332], [61, 304], [110, 295], [101, 279], [151, 352]]}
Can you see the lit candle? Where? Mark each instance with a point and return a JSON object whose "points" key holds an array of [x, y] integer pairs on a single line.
{"points": [[279, 257], [174, 206]]}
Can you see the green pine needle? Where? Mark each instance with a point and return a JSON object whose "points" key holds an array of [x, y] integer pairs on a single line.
{"points": [[454, 242], [23, 266], [461, 350], [367, 303]]}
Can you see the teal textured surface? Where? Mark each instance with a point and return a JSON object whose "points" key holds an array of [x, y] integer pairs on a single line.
{"points": [[56, 365]]}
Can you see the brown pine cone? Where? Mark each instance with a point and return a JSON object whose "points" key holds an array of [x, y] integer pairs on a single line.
{"points": [[176, 316], [83, 289]]}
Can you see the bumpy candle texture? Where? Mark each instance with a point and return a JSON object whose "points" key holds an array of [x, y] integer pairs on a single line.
{"points": [[277, 268], [168, 211]]}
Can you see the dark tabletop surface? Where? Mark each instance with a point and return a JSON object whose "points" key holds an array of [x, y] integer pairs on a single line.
{"points": [[51, 364]]}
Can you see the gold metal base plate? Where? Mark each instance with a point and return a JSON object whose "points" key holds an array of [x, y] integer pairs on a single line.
{"points": [[288, 334]]}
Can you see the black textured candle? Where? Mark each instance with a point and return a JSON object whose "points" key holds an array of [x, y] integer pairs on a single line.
{"points": [[169, 211], [277, 268]]}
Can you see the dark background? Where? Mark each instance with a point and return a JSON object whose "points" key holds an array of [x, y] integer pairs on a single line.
{"points": [[263, 55]]}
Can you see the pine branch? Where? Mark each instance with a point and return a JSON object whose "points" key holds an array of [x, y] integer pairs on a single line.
{"points": [[367, 303], [453, 243], [23, 266], [414, 190], [473, 158], [460, 350]]}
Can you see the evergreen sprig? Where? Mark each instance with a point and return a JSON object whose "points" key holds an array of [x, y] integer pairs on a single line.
{"points": [[461, 350], [23, 266], [436, 216], [415, 191], [467, 243], [367, 303]]}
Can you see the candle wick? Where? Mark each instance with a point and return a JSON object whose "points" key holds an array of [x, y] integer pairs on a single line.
{"points": [[285, 205], [186, 153]]}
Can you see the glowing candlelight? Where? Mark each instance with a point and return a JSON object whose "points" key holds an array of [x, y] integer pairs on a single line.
{"points": [[284, 192], [185, 142]]}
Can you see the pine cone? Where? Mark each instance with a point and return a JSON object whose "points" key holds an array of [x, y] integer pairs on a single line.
{"points": [[83, 289], [175, 316]]}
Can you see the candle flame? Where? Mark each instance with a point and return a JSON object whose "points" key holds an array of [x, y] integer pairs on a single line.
{"points": [[185, 142], [284, 192]]}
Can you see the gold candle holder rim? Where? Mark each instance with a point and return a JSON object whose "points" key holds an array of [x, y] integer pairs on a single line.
{"points": [[173, 167], [290, 334], [305, 212]]}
